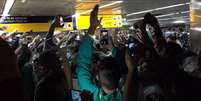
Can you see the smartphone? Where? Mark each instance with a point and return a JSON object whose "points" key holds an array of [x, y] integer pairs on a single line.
{"points": [[61, 21], [132, 45], [132, 48], [76, 95], [104, 38]]}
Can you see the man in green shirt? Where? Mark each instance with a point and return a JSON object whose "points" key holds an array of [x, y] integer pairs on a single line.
{"points": [[108, 74]]}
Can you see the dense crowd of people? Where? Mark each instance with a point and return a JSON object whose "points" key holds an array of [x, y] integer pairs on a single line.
{"points": [[142, 64]]}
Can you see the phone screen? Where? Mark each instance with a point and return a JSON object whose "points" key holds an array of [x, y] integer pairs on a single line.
{"points": [[132, 45], [132, 49], [76, 95], [61, 21]]}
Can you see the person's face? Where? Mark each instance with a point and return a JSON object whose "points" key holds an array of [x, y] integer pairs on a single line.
{"points": [[150, 31], [149, 28], [107, 90], [100, 77], [191, 64]]}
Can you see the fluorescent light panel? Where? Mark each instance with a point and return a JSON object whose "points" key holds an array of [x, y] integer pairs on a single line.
{"points": [[23, 1], [196, 29], [185, 12], [103, 6], [8, 6], [198, 16], [165, 15], [181, 17], [179, 22], [135, 19], [157, 9], [170, 14], [110, 4]]}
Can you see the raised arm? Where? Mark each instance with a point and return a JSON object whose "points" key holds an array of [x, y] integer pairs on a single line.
{"points": [[84, 58], [131, 86], [94, 22], [49, 36]]}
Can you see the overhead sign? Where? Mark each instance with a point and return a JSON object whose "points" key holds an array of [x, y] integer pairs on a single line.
{"points": [[35, 27], [30, 19], [108, 21], [34, 23]]}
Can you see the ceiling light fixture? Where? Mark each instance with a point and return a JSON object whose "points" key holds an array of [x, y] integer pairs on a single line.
{"points": [[117, 8], [181, 17], [196, 29], [110, 4], [157, 9], [135, 19], [198, 16], [185, 12], [102, 6], [159, 16], [179, 22], [170, 14], [196, 2], [8, 6], [23, 1]]}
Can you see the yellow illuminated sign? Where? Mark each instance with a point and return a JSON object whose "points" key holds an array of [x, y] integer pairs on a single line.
{"points": [[108, 21], [35, 27]]}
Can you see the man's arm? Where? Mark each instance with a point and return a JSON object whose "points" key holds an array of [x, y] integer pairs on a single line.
{"points": [[50, 33], [131, 86], [49, 36], [84, 58]]}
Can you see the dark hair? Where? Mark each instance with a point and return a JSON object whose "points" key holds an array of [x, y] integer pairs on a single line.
{"points": [[173, 49], [23, 56], [49, 60], [152, 20], [109, 73]]}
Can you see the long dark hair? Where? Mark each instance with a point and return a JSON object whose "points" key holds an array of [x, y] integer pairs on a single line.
{"points": [[152, 20]]}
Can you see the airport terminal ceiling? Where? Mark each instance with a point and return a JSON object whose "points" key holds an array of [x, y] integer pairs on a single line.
{"points": [[167, 10]]}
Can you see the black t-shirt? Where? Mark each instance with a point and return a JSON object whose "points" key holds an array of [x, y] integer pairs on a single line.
{"points": [[51, 88]]}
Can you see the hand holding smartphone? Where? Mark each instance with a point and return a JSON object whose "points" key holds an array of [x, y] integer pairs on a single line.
{"points": [[81, 95], [76, 95], [58, 21]]}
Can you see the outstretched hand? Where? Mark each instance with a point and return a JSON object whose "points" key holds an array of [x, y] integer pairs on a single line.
{"points": [[94, 22], [131, 85], [56, 22]]}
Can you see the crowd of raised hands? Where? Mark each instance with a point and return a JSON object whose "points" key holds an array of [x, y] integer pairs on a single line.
{"points": [[136, 64]]}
